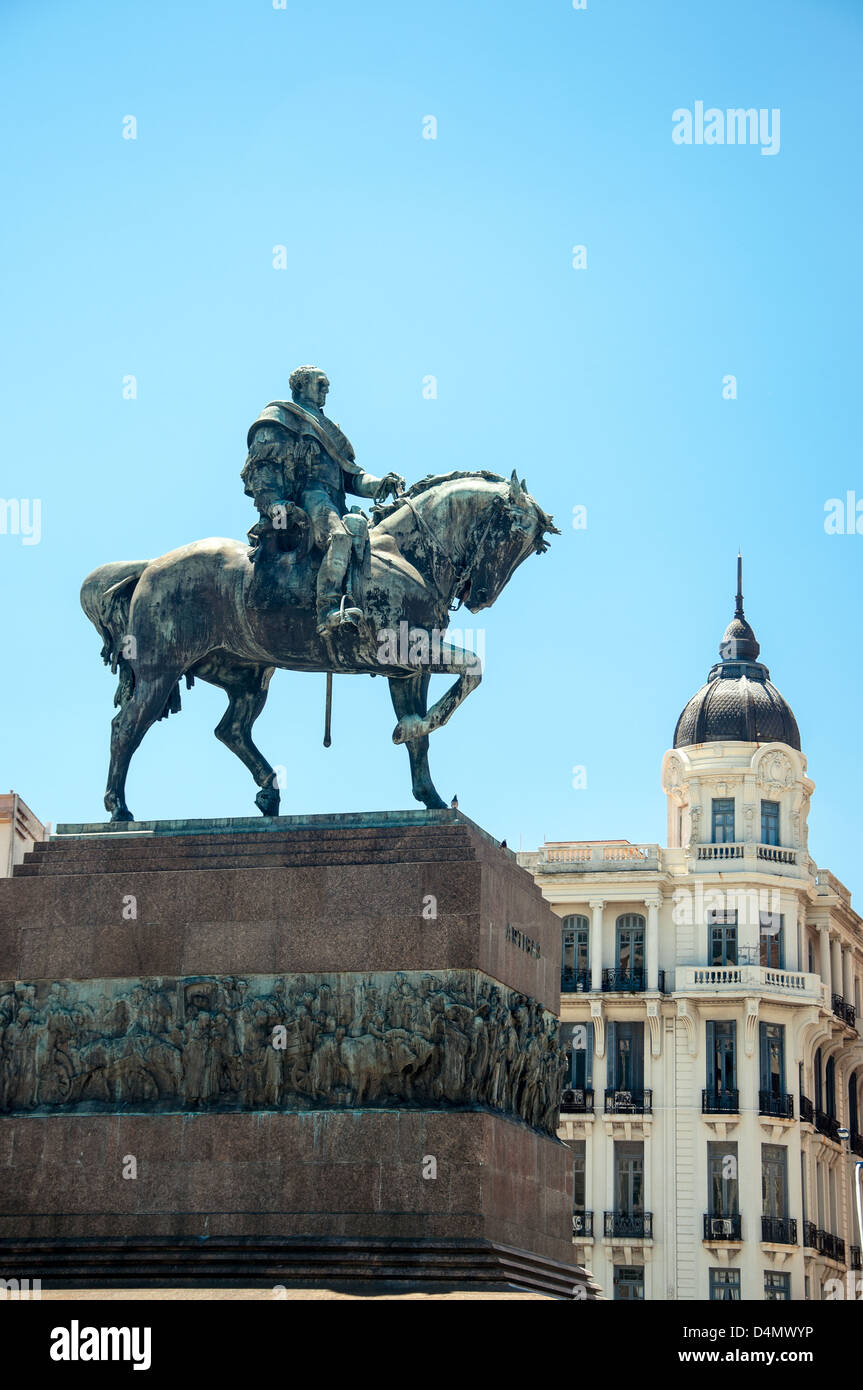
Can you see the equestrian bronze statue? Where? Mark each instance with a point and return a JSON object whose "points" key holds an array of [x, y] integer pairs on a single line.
{"points": [[318, 588]]}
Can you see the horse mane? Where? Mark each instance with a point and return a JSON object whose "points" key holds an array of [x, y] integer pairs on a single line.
{"points": [[382, 510]]}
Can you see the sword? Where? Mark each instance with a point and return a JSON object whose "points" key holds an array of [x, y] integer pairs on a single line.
{"points": [[328, 713]]}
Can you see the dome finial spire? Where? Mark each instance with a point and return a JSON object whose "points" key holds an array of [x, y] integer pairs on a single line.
{"points": [[738, 611]]}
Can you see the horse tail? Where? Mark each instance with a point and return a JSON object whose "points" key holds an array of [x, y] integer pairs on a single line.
{"points": [[106, 597]]}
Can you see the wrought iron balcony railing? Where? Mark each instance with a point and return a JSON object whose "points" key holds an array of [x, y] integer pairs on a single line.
{"points": [[577, 1100], [832, 1247], [807, 1110], [722, 1227], [777, 1104], [855, 1261], [630, 981], [857, 1144], [779, 1230], [623, 981], [810, 1235], [630, 1225], [826, 1124], [720, 1102], [574, 981], [622, 1102], [582, 1224]]}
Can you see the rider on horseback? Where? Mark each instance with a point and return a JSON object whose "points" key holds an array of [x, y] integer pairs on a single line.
{"points": [[298, 469]]}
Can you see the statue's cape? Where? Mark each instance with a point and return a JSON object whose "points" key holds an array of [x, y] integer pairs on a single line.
{"points": [[326, 432]]}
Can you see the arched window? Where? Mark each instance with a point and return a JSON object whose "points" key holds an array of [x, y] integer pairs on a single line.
{"points": [[630, 950], [818, 1075], [575, 964]]}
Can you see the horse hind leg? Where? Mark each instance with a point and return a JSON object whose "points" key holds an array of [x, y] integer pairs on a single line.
{"points": [[246, 688], [409, 696], [148, 702]]}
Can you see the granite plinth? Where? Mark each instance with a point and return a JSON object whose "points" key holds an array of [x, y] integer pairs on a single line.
{"points": [[347, 1198]]}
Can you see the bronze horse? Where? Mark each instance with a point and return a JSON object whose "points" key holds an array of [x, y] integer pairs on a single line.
{"points": [[216, 610]]}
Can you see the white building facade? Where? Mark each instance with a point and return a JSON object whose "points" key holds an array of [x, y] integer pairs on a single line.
{"points": [[710, 997]]}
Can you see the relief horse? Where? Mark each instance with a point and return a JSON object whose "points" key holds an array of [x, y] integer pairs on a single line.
{"points": [[219, 611]]}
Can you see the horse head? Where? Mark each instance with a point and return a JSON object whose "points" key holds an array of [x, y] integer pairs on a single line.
{"points": [[512, 527]]}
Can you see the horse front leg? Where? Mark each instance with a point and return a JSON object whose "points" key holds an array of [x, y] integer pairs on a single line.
{"points": [[409, 696], [419, 725]]}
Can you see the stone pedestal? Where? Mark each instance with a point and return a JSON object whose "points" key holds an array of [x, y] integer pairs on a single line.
{"points": [[296, 1051]]}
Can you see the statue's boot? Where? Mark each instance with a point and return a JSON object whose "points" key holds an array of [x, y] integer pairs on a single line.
{"points": [[333, 608]]}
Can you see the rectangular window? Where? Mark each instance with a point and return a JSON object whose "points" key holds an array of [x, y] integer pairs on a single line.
{"points": [[628, 1283], [723, 820], [811, 957], [579, 1189], [630, 945], [777, 1287], [575, 973], [774, 1182], [722, 938], [629, 1178], [770, 822], [576, 1039], [772, 1058], [725, 1285], [722, 1187], [625, 1056], [772, 940], [721, 1056]]}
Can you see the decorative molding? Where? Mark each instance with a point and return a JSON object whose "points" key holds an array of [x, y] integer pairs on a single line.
{"points": [[598, 1028], [687, 1018], [654, 1026], [750, 1026]]}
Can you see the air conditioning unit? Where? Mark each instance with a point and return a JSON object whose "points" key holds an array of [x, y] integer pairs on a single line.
{"points": [[721, 1226]]}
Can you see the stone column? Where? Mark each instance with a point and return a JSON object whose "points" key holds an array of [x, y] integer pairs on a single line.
{"points": [[596, 905], [824, 956], [848, 975], [836, 965], [652, 943]]}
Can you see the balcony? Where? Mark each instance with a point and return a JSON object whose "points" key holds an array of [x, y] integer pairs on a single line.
{"points": [[628, 1102], [827, 1125], [582, 1225], [720, 1102], [576, 1100], [846, 1012], [777, 1104], [629, 1225], [810, 1235], [774, 855], [830, 1246], [720, 852], [857, 1144], [786, 985], [623, 981], [574, 981], [807, 1110], [855, 1261], [593, 856], [723, 1227], [777, 1230]]}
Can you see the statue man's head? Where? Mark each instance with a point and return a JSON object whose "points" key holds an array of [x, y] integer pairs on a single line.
{"points": [[309, 386]]}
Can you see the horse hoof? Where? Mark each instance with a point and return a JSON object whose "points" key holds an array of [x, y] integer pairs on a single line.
{"points": [[267, 801], [408, 728], [123, 815]]}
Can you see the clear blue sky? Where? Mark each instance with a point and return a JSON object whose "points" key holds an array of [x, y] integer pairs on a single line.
{"points": [[452, 257]]}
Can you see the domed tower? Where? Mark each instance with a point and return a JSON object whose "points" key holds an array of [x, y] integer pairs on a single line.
{"points": [[735, 777]]}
